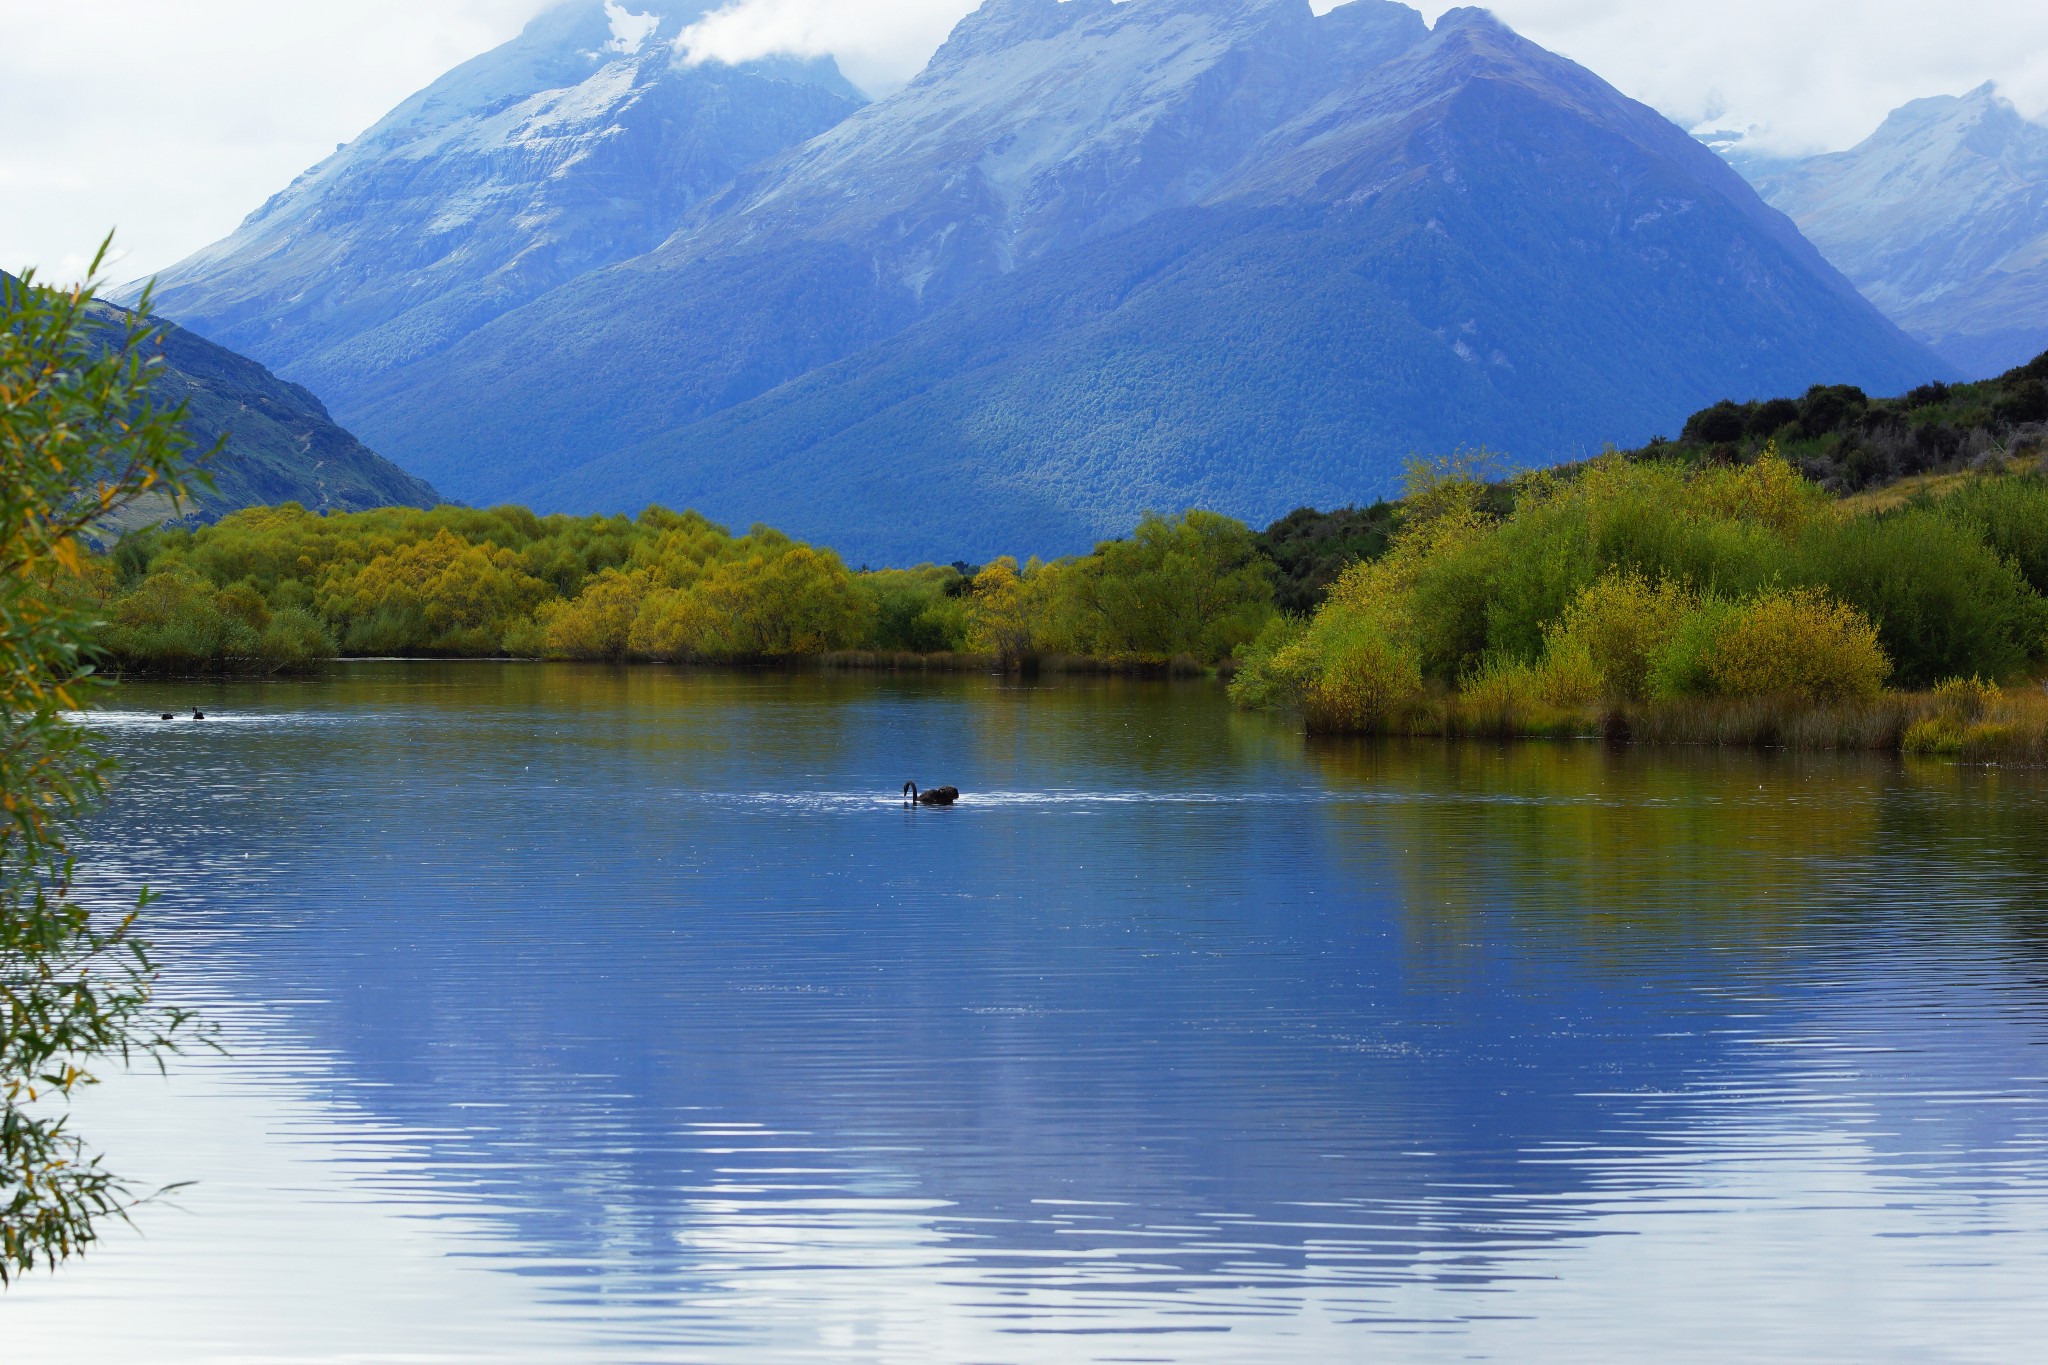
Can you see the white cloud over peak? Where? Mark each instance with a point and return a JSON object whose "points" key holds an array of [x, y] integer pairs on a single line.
{"points": [[879, 46]]}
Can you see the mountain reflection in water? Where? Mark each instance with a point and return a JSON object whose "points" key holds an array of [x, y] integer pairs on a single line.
{"points": [[591, 1014]]}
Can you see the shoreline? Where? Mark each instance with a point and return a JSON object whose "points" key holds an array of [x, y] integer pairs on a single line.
{"points": [[2008, 727]]}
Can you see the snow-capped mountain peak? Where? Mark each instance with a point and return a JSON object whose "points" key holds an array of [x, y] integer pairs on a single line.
{"points": [[582, 142]]}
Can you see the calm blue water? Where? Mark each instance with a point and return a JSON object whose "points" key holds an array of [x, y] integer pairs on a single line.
{"points": [[578, 1014]]}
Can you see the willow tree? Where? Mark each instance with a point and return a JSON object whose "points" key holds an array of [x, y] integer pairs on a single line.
{"points": [[80, 441]]}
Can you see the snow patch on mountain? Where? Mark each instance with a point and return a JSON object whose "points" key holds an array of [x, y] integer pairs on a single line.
{"points": [[579, 144]]}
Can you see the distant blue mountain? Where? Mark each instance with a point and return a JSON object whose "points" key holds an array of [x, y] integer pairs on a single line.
{"points": [[1104, 257], [1941, 218]]}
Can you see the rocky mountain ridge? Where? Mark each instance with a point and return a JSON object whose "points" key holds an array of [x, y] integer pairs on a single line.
{"points": [[276, 442]]}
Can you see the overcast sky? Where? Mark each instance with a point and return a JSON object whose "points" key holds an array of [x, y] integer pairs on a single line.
{"points": [[171, 119]]}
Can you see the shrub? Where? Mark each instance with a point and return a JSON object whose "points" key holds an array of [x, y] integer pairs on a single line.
{"points": [[1945, 604], [175, 620], [1309, 549], [1685, 666], [1621, 624], [1192, 586], [917, 610], [1000, 611], [1773, 416], [2010, 515], [295, 640], [1966, 699], [598, 624], [443, 595], [2024, 402], [768, 606], [1722, 424], [1831, 407], [1766, 492], [1261, 683], [1565, 678], [1361, 675], [1797, 644]]}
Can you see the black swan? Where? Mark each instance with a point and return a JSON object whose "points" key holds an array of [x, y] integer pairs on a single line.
{"points": [[937, 796], [169, 716], [198, 714]]}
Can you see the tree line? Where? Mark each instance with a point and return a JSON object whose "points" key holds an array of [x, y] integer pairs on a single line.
{"points": [[281, 588]]}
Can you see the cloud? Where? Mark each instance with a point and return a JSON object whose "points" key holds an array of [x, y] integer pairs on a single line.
{"points": [[1805, 74], [171, 122], [879, 46], [630, 31], [1800, 75]]}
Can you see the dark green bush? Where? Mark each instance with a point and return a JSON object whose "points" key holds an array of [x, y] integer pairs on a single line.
{"points": [[1722, 424], [1308, 549], [1772, 417], [2024, 402], [2011, 516], [1946, 605], [1830, 407], [916, 611]]}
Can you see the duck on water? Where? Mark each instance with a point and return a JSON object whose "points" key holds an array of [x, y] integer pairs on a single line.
{"points": [[937, 796]]}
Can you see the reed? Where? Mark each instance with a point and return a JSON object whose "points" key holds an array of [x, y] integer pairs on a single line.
{"points": [[905, 661], [1974, 725]]}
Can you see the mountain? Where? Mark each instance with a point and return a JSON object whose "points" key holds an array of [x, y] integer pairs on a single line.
{"points": [[1941, 218], [278, 443], [578, 144], [281, 444], [1101, 257]]}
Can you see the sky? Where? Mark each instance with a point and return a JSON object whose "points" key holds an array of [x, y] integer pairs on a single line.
{"points": [[170, 120]]}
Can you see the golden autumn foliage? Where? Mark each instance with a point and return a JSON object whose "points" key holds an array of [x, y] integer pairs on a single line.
{"points": [[1797, 644], [283, 587]]}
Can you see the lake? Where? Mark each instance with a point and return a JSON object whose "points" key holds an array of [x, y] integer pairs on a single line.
{"points": [[583, 1014]]}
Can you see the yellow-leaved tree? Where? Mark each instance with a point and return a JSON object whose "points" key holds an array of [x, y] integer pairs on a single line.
{"points": [[80, 441]]}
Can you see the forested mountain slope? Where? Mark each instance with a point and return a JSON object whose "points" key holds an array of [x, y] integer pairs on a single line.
{"points": [[277, 442], [1474, 242]]}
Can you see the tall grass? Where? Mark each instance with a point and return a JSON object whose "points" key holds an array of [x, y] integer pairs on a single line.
{"points": [[2007, 726]]}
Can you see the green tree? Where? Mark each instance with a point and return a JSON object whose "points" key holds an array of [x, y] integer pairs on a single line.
{"points": [[1192, 587], [80, 440]]}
